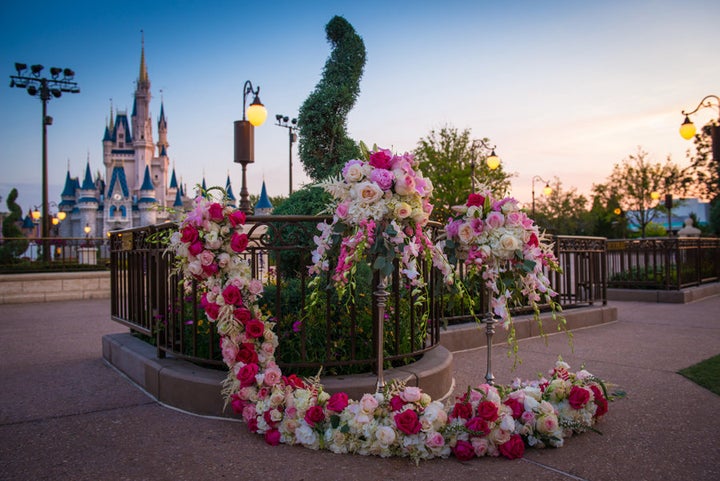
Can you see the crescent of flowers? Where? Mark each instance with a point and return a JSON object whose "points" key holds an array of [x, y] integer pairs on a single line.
{"points": [[399, 421]]}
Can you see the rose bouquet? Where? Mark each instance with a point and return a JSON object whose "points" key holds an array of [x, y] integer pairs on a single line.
{"points": [[504, 248]]}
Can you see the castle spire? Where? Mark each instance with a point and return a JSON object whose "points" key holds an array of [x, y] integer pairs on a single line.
{"points": [[143, 69]]}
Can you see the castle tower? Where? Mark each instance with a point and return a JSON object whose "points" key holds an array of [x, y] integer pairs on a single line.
{"points": [[141, 123], [87, 204], [147, 203], [263, 206]]}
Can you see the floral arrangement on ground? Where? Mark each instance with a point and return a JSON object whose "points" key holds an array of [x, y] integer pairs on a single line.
{"points": [[399, 420]]}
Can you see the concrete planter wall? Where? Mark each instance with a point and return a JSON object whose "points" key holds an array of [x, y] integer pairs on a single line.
{"points": [[54, 286]]}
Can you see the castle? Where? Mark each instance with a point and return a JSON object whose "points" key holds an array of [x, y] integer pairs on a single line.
{"points": [[141, 189]]}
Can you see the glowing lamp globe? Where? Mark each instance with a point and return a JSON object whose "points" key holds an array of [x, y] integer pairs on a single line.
{"points": [[654, 195], [493, 161], [35, 215], [61, 215], [687, 129], [547, 190], [617, 211], [256, 113]]}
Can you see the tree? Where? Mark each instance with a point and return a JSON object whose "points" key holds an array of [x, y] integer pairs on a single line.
{"points": [[10, 249], [323, 142], [608, 217], [635, 179], [446, 157], [702, 177], [563, 212]]}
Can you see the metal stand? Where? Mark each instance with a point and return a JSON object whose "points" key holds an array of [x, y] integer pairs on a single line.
{"points": [[489, 321], [381, 296]]}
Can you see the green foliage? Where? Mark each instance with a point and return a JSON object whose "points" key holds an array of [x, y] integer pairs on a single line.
{"points": [[563, 212], [306, 201], [702, 177], [10, 249], [446, 157], [705, 373], [654, 229], [323, 142]]}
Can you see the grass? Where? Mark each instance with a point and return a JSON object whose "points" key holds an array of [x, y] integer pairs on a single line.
{"points": [[705, 373]]}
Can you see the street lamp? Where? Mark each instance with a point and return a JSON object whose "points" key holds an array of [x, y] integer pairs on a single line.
{"points": [[38, 85], [547, 190], [282, 121], [253, 116], [688, 130], [492, 160]]}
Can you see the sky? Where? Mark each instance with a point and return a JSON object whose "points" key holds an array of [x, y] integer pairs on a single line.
{"points": [[564, 89]]}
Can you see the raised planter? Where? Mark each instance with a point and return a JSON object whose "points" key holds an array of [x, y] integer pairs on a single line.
{"points": [[54, 286]]}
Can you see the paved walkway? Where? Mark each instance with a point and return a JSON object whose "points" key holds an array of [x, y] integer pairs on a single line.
{"points": [[66, 415]]}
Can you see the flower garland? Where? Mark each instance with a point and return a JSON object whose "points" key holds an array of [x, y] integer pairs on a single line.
{"points": [[399, 421], [503, 246]]}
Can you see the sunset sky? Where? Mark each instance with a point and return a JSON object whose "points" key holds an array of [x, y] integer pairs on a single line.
{"points": [[564, 88]]}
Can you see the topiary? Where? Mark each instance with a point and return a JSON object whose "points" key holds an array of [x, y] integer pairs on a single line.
{"points": [[10, 249]]}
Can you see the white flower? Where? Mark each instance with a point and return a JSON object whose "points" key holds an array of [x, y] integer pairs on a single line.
{"points": [[306, 436], [366, 192], [385, 435]]}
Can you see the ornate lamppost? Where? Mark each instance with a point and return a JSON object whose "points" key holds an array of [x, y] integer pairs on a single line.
{"points": [[688, 130], [547, 190], [45, 88], [492, 160], [253, 116], [282, 121]]}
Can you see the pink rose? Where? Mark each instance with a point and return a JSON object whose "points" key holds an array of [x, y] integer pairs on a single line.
{"points": [[246, 374], [237, 403], [411, 394], [404, 183], [396, 403], [272, 376], [337, 402], [215, 211], [210, 269], [254, 328], [232, 295], [495, 220], [407, 422], [383, 178], [237, 217], [314, 415], [463, 450], [342, 210], [514, 448], [488, 411], [272, 437], [435, 440], [195, 248], [600, 401], [242, 314], [212, 310], [578, 397], [478, 425], [516, 406], [238, 242]]}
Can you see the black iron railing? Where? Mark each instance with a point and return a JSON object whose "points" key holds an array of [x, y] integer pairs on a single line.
{"points": [[668, 263], [65, 254], [148, 298]]}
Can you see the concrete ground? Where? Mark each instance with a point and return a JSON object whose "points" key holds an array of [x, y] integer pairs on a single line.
{"points": [[67, 415]]}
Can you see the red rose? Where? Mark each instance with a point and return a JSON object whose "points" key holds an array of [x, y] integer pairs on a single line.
{"points": [[215, 211], [407, 422], [267, 416], [210, 269], [488, 411], [478, 425], [246, 353], [337, 402], [380, 159], [238, 242], [195, 248], [252, 425], [212, 310], [578, 397], [517, 407], [461, 410], [600, 401], [396, 403], [293, 381], [232, 295], [254, 328], [242, 314], [533, 241], [475, 200], [237, 403], [237, 218], [514, 448], [189, 234], [272, 437], [246, 375], [314, 415], [463, 450]]}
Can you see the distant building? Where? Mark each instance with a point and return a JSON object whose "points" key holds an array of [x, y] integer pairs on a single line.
{"points": [[682, 208], [140, 189]]}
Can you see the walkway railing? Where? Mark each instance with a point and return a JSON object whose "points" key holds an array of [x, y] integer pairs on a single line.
{"points": [[146, 296], [669, 263], [66, 254]]}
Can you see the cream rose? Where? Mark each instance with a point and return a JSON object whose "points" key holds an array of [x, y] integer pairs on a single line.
{"points": [[367, 192]]}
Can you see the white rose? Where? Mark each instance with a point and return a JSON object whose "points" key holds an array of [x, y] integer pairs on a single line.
{"points": [[466, 233], [385, 435], [367, 192]]}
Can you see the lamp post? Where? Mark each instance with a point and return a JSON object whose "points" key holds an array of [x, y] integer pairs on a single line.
{"points": [[547, 190], [45, 88], [688, 130], [253, 116], [282, 121], [492, 160]]}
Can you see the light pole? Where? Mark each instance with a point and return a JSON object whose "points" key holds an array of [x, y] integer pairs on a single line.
{"points": [[46, 88], [282, 121], [253, 116], [492, 160], [547, 190], [688, 130]]}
